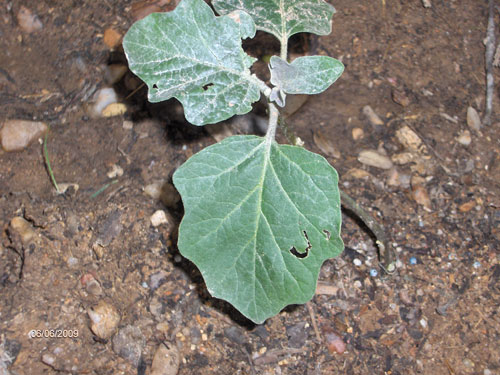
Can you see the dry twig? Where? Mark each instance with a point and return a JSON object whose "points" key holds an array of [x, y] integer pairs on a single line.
{"points": [[490, 51]]}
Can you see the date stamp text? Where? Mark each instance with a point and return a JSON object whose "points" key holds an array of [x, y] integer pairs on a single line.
{"points": [[52, 333]]}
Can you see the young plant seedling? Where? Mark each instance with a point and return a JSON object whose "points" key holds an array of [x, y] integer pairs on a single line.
{"points": [[260, 217]]}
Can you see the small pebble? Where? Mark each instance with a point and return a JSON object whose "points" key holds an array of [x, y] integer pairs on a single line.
{"points": [[16, 135], [477, 264], [104, 319], [114, 109], [413, 261], [101, 100], [48, 359], [468, 363], [335, 343], [423, 323], [400, 97], [128, 125], [408, 138], [464, 138], [154, 189], [473, 119], [157, 279], [357, 262], [159, 218], [91, 285], [372, 117], [28, 21], [23, 228], [115, 171], [357, 134], [128, 343], [421, 196], [72, 261], [375, 159], [111, 38], [373, 272], [166, 360]]}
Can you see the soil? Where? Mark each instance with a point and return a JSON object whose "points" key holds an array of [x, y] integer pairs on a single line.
{"points": [[436, 314]]}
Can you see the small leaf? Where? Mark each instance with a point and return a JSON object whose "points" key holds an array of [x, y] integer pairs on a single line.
{"points": [[245, 21], [195, 57], [305, 75], [283, 18], [260, 219]]}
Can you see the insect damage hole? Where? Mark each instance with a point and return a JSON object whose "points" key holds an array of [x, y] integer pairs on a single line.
{"points": [[205, 87], [296, 253], [327, 234]]}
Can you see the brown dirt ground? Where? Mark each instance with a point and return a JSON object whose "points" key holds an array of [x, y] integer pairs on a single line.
{"points": [[439, 316]]}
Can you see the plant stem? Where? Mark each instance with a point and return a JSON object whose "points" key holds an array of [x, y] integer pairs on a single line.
{"points": [[47, 163], [264, 89], [273, 123], [284, 48]]}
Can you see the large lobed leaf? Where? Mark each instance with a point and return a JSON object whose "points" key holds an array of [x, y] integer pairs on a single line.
{"points": [[260, 219], [283, 18], [195, 57]]}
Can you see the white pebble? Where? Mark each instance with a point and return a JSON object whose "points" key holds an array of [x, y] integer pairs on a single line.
{"points": [[159, 218], [102, 98], [357, 262], [115, 171], [423, 323], [154, 189]]}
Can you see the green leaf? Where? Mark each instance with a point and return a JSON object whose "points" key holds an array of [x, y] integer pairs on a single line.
{"points": [[197, 58], [283, 18], [260, 219], [305, 75]]}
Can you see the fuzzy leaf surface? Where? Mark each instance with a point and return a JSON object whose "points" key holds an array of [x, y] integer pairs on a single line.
{"points": [[305, 75], [283, 18], [196, 57], [260, 219]]}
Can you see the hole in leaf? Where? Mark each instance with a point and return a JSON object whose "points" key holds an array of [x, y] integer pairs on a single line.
{"points": [[205, 87], [327, 234], [155, 86], [304, 254], [294, 252]]}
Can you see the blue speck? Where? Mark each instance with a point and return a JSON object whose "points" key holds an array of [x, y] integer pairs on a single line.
{"points": [[373, 272], [476, 264], [413, 261]]}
